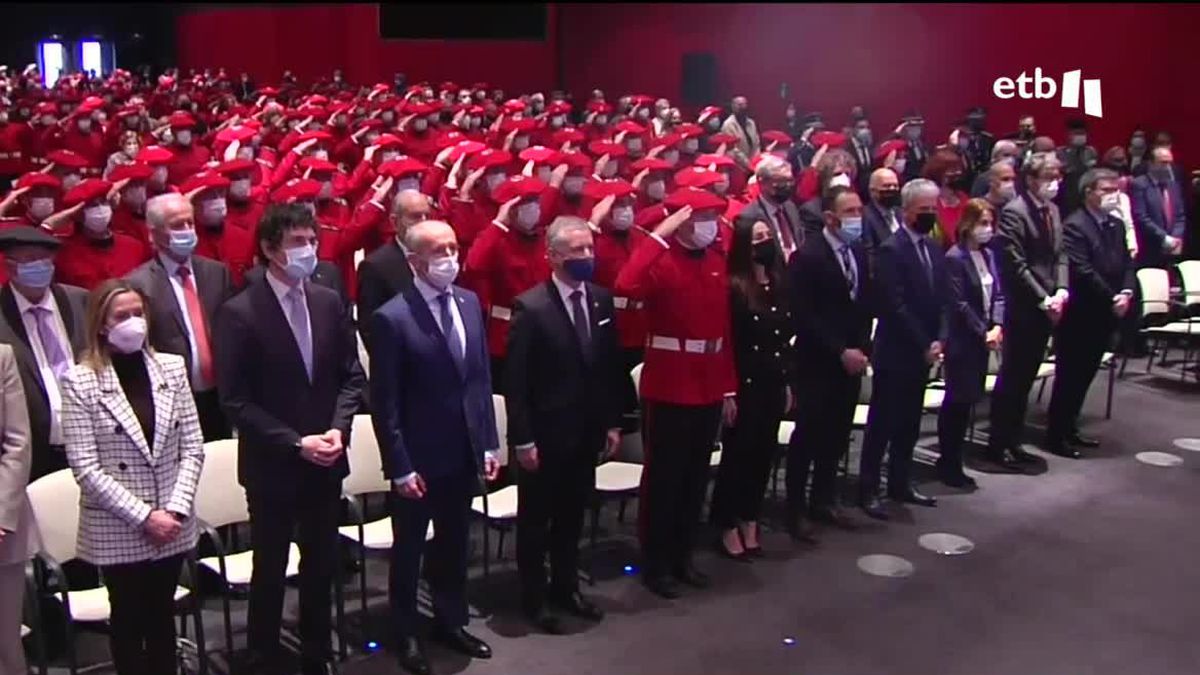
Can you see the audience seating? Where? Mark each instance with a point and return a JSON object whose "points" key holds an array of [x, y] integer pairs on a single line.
{"points": [[497, 509]]}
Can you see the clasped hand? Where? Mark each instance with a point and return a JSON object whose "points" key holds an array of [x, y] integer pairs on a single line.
{"points": [[322, 450]]}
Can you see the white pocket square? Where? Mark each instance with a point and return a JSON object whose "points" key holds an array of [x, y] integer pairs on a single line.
{"points": [[601, 322]]}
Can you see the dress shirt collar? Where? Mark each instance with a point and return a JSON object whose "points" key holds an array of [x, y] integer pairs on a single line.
{"points": [[913, 235], [24, 305], [565, 290], [427, 291], [172, 267], [279, 288], [835, 242]]}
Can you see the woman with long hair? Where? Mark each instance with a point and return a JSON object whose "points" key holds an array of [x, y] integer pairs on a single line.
{"points": [[762, 334], [946, 168]]}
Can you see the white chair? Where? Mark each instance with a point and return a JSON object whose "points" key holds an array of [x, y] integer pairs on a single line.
{"points": [[617, 481], [497, 509], [1189, 276], [55, 500], [221, 502], [1158, 312], [636, 374]]}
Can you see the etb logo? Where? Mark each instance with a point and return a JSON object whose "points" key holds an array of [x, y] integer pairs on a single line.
{"points": [[1040, 86]]}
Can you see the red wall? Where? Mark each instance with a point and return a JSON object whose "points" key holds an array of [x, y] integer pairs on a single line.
{"points": [[940, 58], [312, 40]]}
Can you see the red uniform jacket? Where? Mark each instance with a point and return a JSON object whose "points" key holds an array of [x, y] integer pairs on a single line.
{"points": [[245, 215], [423, 146], [188, 161], [126, 222], [15, 140], [501, 265], [90, 146], [342, 234], [689, 358], [613, 249], [86, 263], [231, 245]]}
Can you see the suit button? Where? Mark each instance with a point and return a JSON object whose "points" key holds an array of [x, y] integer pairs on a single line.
{"points": [[774, 309], [756, 317], [776, 354], [777, 331], [117, 430], [755, 347], [122, 466], [749, 380]]}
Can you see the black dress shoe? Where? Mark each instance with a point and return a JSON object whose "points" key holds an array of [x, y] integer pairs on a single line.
{"points": [[1082, 441], [873, 507], [662, 586], [801, 530], [545, 621], [318, 668], [1062, 450], [755, 552], [412, 656], [1018, 453], [577, 605], [1004, 460], [956, 479], [832, 515], [911, 496], [692, 577], [463, 642]]}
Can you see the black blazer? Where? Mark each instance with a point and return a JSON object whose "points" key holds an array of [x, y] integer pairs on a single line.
{"points": [[812, 220], [756, 211], [266, 393], [876, 230], [1099, 263], [381, 275], [326, 274], [72, 304], [762, 349], [827, 320], [1032, 264], [911, 313], [557, 396], [168, 332]]}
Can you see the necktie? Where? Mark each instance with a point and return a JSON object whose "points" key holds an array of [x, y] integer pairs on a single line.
{"points": [[1168, 210], [579, 318], [452, 342], [785, 228], [923, 250], [199, 325], [848, 269], [298, 318], [1047, 231], [55, 356]]}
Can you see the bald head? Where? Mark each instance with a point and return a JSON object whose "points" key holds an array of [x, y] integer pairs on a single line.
{"points": [[1043, 144], [883, 178], [429, 235]]}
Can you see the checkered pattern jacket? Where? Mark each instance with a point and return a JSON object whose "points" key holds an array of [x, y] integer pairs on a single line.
{"points": [[121, 477]]}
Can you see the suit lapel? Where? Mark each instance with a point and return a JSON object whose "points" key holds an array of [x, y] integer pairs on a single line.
{"points": [[271, 312], [112, 397], [566, 322], [71, 320], [164, 292], [429, 325], [8, 306], [164, 401]]}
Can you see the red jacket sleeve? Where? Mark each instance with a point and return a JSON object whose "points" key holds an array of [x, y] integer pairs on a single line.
{"points": [[636, 278]]}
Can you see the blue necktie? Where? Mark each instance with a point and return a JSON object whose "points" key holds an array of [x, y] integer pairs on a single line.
{"points": [[298, 318], [452, 342]]}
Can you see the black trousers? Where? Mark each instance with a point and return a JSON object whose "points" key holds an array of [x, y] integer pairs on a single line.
{"points": [[749, 447], [142, 625], [630, 357], [312, 510], [824, 419], [447, 503], [893, 425], [954, 419], [1088, 337], [550, 507], [213, 424], [1025, 336], [498, 375], [678, 442]]}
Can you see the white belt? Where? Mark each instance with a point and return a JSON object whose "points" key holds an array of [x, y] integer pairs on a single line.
{"points": [[624, 303], [671, 344], [10, 155], [502, 313]]}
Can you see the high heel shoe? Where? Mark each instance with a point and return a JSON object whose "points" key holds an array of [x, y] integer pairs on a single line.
{"points": [[719, 547]]}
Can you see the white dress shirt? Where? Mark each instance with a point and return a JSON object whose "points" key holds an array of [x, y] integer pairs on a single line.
{"points": [[281, 290], [776, 211], [172, 269], [565, 291], [986, 282], [53, 394], [837, 245]]}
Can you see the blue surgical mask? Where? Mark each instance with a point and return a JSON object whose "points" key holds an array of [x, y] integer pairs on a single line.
{"points": [[580, 269], [301, 261], [182, 243], [35, 274], [851, 230]]}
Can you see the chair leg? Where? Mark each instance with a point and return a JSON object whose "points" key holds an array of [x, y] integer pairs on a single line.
{"points": [[201, 643], [487, 550], [500, 545], [1042, 389], [339, 605], [225, 590], [362, 582], [72, 661], [1112, 381]]}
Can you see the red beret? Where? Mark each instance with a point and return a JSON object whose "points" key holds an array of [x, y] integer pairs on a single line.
{"points": [[155, 155], [128, 110], [68, 159], [512, 105], [316, 99], [629, 126], [718, 161], [831, 138], [539, 154], [653, 164], [449, 138], [405, 166], [135, 171], [609, 148], [317, 165], [268, 91], [47, 108], [576, 160], [236, 166], [897, 144], [386, 141], [91, 104], [721, 139], [489, 158], [466, 148], [204, 180], [240, 134], [689, 130], [296, 188], [519, 186], [418, 108], [518, 125], [448, 86], [708, 112], [373, 123], [599, 189], [39, 179], [599, 107], [641, 99], [86, 191], [319, 136], [696, 177], [558, 108], [700, 200], [567, 136], [667, 140], [778, 137], [181, 120]]}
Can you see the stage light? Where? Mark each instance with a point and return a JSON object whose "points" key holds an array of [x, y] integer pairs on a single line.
{"points": [[90, 56], [53, 59], [630, 569], [372, 646], [787, 641]]}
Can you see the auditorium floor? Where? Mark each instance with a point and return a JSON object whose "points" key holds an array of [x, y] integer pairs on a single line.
{"points": [[1088, 569]]}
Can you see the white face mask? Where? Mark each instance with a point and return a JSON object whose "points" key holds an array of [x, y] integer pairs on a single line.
{"points": [[494, 180], [557, 121], [528, 215], [984, 234], [386, 157], [670, 157], [1111, 203], [573, 185], [442, 272], [704, 232], [1007, 190], [184, 136], [543, 173], [40, 207], [97, 218], [691, 145], [212, 212], [326, 190], [520, 142], [420, 124], [321, 154], [129, 336], [410, 183], [71, 180], [240, 189], [610, 170], [634, 144], [842, 179], [135, 196], [656, 190], [159, 175], [246, 152], [85, 125], [601, 120], [1048, 191], [622, 218]]}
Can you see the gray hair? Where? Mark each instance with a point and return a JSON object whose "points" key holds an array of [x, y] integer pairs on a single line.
{"points": [[403, 199], [768, 166], [918, 187], [557, 233], [1003, 146], [994, 169], [158, 207], [1093, 176], [1039, 162], [416, 238]]}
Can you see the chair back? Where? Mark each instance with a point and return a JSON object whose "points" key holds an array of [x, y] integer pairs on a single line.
{"points": [[1156, 291], [1189, 275], [55, 501], [501, 412], [364, 358], [366, 465], [636, 374], [864, 390], [220, 498]]}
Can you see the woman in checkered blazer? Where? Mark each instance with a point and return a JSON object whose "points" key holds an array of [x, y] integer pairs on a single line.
{"points": [[133, 441]]}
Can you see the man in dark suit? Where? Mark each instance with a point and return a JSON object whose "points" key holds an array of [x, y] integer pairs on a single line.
{"points": [[881, 214], [829, 291], [184, 292], [911, 274], [44, 323], [861, 149], [1033, 272], [385, 271], [1101, 285], [290, 382], [1158, 211], [324, 274], [563, 389], [912, 125], [431, 394], [774, 205]]}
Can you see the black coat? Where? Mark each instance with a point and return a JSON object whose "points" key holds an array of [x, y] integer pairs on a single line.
{"points": [[827, 320], [381, 275], [1099, 266]]}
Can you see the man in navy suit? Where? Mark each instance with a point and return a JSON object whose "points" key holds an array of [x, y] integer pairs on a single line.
{"points": [[1157, 205], [911, 274], [431, 395]]}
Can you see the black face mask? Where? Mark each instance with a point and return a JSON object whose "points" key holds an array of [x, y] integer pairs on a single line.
{"points": [[780, 195], [764, 253], [924, 223], [889, 199]]}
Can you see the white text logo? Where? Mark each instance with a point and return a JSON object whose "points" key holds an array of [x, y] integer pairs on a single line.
{"points": [[1040, 86]]}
